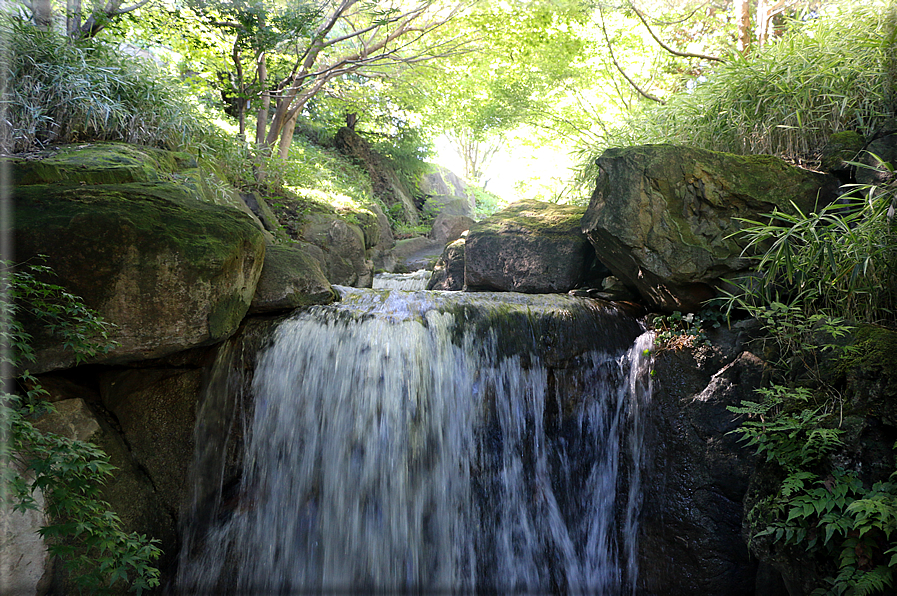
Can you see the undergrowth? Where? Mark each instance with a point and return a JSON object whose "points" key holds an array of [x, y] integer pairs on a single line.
{"points": [[821, 277], [833, 73], [62, 476], [59, 91]]}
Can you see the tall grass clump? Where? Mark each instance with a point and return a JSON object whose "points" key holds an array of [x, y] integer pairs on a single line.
{"points": [[840, 260], [836, 72], [61, 91]]}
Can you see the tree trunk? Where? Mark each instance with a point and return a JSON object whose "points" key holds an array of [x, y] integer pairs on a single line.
{"points": [[743, 24], [261, 121], [72, 17], [42, 14], [286, 136], [241, 86]]}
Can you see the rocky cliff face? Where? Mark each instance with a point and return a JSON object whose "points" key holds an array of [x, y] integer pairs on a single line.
{"points": [[175, 269]]}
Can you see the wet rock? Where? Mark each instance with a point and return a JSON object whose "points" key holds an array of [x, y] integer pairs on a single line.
{"points": [[448, 273], [156, 410], [696, 476]]}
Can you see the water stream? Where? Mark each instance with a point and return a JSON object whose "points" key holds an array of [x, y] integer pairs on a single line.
{"points": [[429, 442]]}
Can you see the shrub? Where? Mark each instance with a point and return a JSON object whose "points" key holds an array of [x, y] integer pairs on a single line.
{"points": [[59, 91], [836, 72]]}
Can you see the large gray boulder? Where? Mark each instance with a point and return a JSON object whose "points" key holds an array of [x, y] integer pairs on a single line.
{"points": [[448, 228], [530, 246], [664, 219], [168, 269], [342, 253], [445, 191]]}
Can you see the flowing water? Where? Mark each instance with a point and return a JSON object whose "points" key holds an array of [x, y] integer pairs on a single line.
{"points": [[429, 442], [409, 282]]}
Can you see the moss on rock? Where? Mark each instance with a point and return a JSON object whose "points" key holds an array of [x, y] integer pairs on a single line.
{"points": [[665, 218], [98, 163], [169, 270]]}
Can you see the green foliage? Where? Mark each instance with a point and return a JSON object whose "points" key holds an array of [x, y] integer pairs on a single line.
{"points": [[832, 73], [62, 92], [678, 331], [841, 258], [487, 202], [97, 554], [322, 174], [786, 435], [407, 151], [838, 521], [819, 274]]}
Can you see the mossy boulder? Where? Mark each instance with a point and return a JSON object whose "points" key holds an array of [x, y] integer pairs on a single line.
{"points": [[170, 271], [121, 163], [290, 278], [530, 246], [664, 219], [841, 148], [99, 163]]}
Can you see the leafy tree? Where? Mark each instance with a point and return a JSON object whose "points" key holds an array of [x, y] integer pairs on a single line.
{"points": [[521, 54]]}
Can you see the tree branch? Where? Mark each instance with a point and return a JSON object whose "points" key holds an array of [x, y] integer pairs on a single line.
{"points": [[629, 80], [641, 17]]}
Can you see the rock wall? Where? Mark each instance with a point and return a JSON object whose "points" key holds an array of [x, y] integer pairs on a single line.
{"points": [[134, 233]]}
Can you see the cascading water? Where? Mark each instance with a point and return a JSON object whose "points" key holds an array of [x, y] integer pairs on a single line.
{"points": [[409, 282], [431, 442]]}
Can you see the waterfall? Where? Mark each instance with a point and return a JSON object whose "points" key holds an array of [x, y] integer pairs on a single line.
{"points": [[430, 442]]}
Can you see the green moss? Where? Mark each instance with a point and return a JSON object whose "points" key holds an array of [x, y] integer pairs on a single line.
{"points": [[536, 217], [106, 225], [226, 316], [98, 163], [841, 147], [875, 348]]}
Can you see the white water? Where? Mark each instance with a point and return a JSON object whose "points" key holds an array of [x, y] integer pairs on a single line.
{"points": [[409, 282], [433, 442]]}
